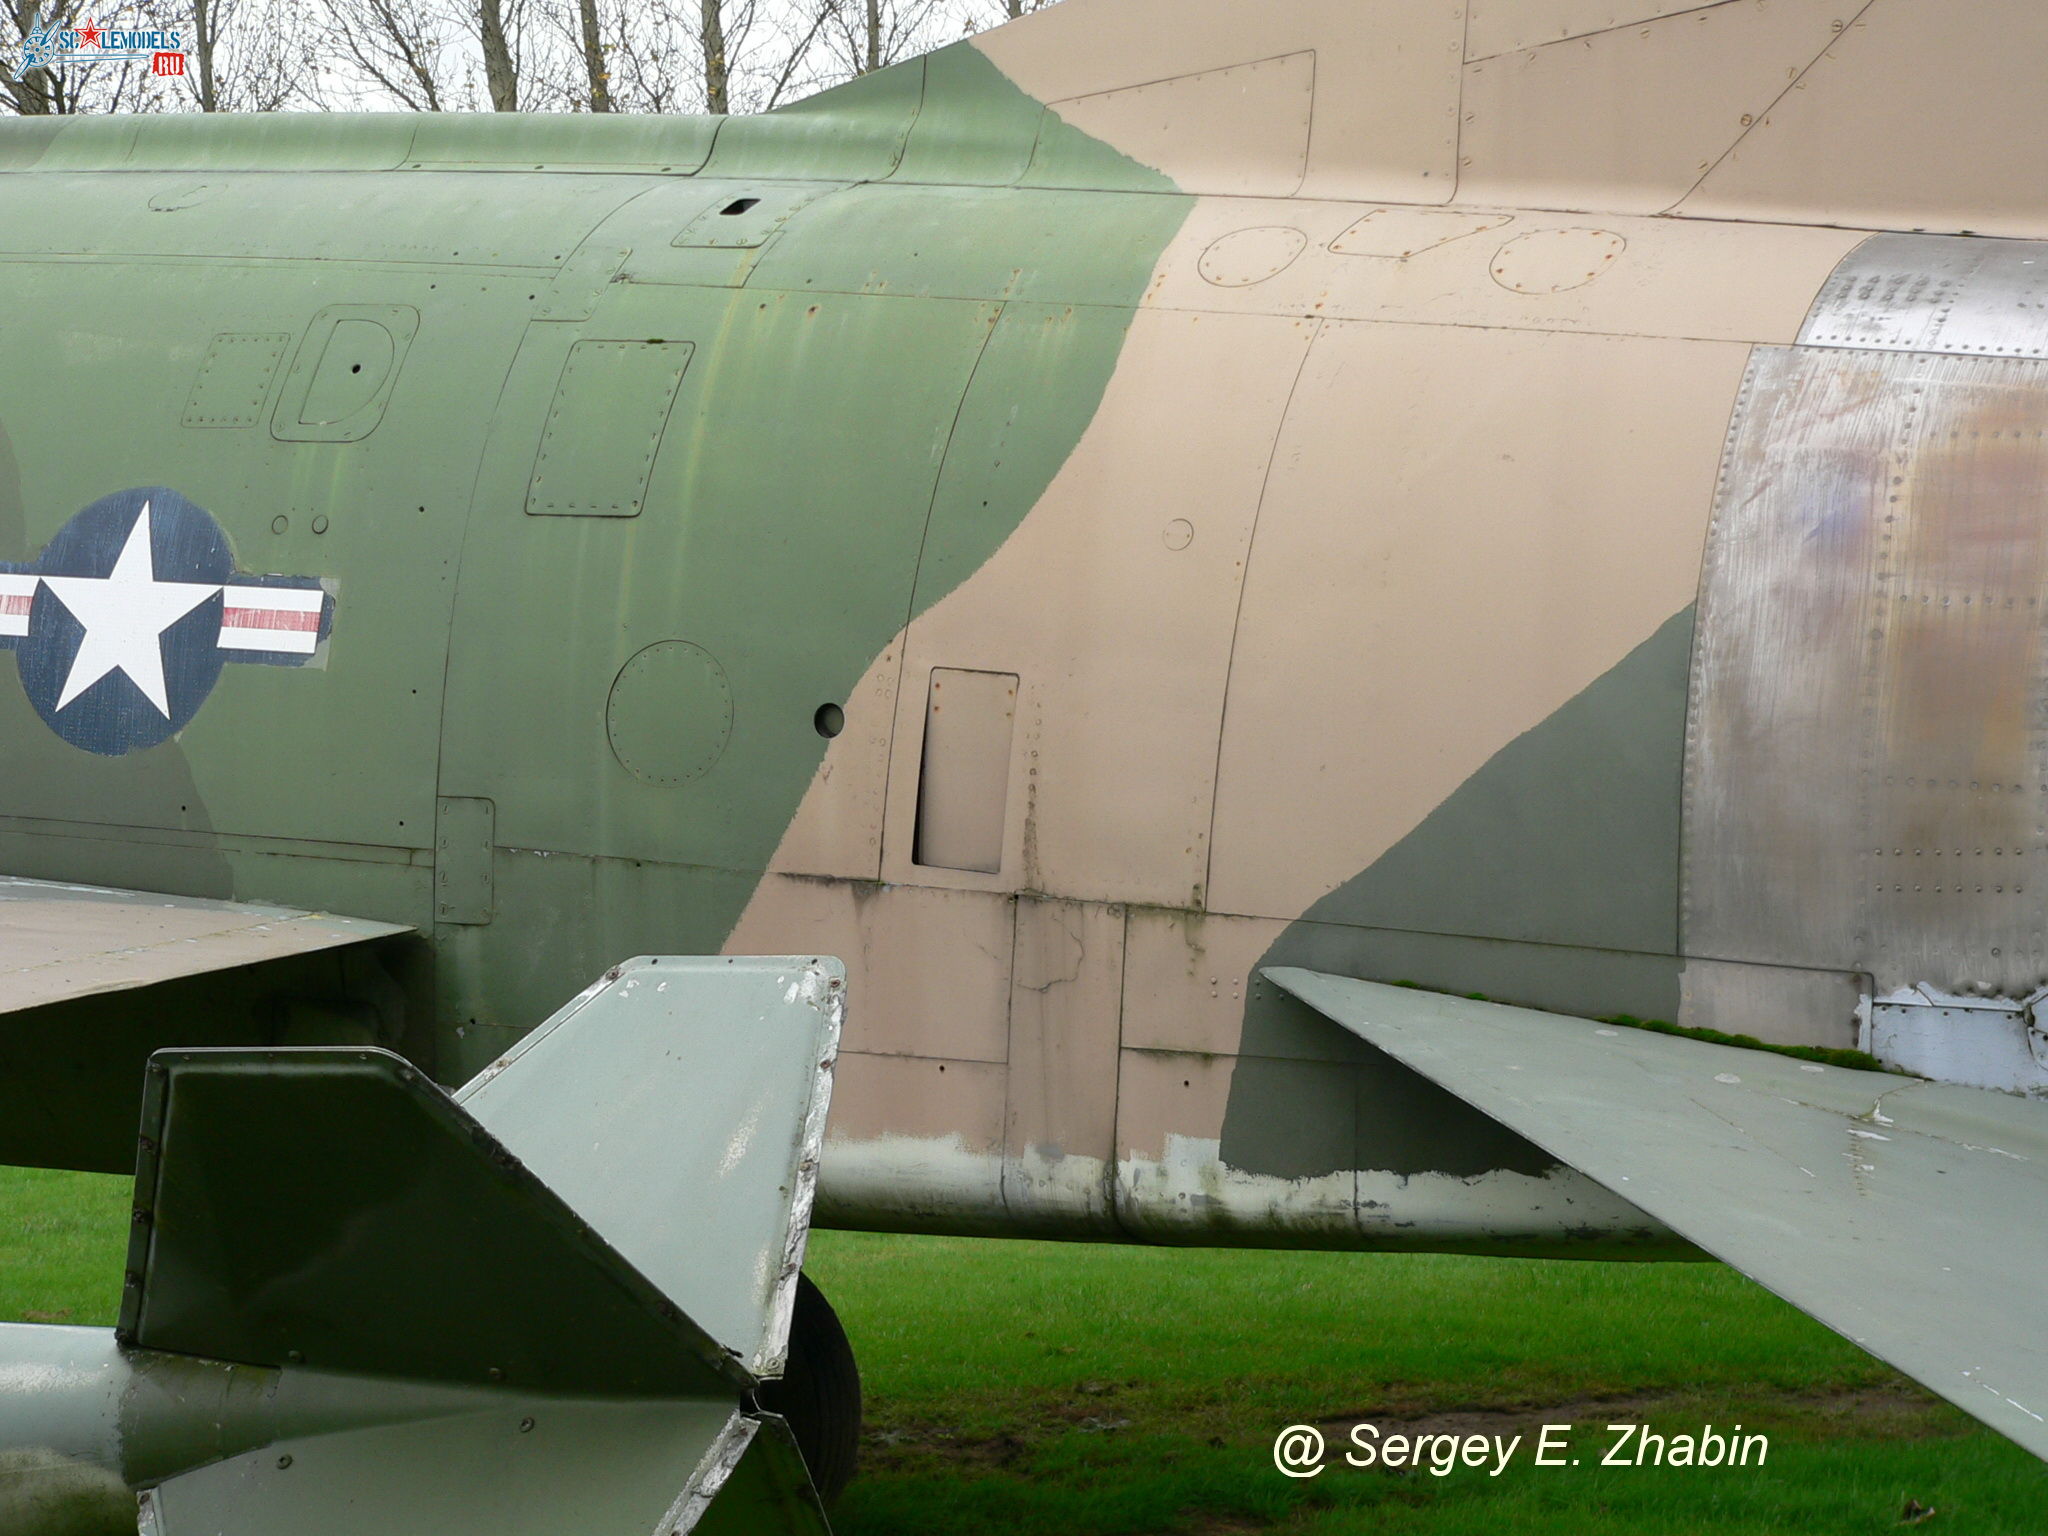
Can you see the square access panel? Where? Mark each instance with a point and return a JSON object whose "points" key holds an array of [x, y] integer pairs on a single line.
{"points": [[604, 428]]}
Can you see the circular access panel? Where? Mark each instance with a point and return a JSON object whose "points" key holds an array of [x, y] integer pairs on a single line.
{"points": [[670, 713], [1251, 256], [1555, 260]]}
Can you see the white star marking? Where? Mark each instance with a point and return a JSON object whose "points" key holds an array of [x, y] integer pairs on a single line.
{"points": [[125, 614]]}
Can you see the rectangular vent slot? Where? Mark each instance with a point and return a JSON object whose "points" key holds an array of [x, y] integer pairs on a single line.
{"points": [[963, 786]]}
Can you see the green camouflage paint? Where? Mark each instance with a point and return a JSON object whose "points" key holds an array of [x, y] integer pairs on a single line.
{"points": [[876, 397], [1549, 878]]}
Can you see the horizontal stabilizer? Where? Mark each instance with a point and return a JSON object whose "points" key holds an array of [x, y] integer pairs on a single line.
{"points": [[540, 1467], [1897, 1211], [765, 1487], [332, 1209], [662, 1122], [58, 942], [581, 1466], [440, 1306]]}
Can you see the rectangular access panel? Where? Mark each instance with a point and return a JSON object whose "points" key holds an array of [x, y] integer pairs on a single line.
{"points": [[964, 784], [604, 428]]}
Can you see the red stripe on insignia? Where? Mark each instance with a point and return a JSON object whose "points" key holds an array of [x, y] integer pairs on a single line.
{"points": [[265, 618], [16, 602]]}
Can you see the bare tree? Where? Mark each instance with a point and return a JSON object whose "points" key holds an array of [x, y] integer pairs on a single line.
{"points": [[249, 55], [34, 92], [742, 55], [594, 66], [501, 75], [612, 56], [441, 55], [399, 49], [786, 82], [778, 52], [535, 55], [867, 35], [206, 21], [642, 58], [711, 37]]}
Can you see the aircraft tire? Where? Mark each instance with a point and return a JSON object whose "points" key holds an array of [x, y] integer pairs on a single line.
{"points": [[819, 1393]]}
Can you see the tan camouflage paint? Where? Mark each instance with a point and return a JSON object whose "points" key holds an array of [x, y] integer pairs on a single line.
{"points": [[1499, 413], [1411, 443]]}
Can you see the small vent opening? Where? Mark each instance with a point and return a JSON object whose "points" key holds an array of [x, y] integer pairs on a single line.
{"points": [[964, 778]]}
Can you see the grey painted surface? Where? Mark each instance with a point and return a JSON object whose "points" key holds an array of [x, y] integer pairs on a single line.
{"points": [[1883, 1205], [1549, 877], [679, 1107], [62, 941]]}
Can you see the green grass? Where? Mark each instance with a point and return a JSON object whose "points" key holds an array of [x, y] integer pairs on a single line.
{"points": [[63, 1242], [1833, 1056], [1041, 1388], [1036, 1389]]}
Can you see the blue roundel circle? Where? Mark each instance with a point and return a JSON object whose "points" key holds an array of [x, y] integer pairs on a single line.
{"points": [[123, 641]]}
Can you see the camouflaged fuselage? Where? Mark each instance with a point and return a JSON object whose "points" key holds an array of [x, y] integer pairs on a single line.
{"points": [[1056, 528]]}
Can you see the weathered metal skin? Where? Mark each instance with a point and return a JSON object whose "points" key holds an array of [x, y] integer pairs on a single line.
{"points": [[1866, 758], [1228, 380], [143, 1416], [640, 1171]]}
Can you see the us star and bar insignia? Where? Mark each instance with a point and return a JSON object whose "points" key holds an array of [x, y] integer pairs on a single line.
{"points": [[121, 626]]}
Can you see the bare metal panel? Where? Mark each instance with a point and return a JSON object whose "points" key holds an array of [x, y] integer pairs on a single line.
{"points": [[1936, 293], [65, 941], [1772, 1002], [1866, 754], [1990, 1042]]}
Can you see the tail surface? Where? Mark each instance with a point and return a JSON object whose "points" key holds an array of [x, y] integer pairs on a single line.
{"points": [[358, 1306]]}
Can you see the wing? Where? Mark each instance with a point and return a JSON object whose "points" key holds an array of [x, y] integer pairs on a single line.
{"points": [[59, 942], [1902, 1213], [92, 980]]}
